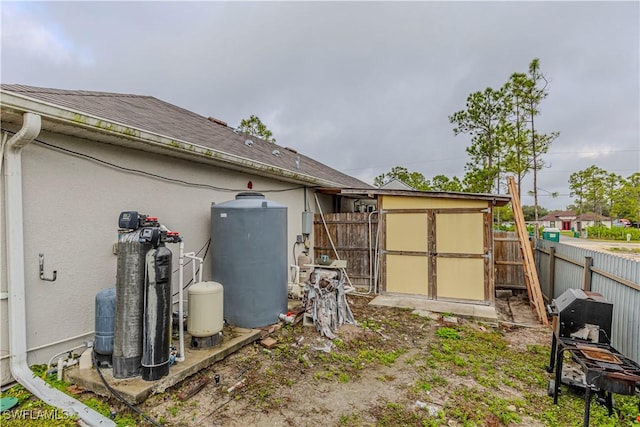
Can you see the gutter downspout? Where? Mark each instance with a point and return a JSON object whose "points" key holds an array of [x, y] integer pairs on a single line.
{"points": [[16, 280]]}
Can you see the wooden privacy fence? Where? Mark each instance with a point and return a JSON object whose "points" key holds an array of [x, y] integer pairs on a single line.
{"points": [[353, 235], [350, 233], [508, 261], [561, 266]]}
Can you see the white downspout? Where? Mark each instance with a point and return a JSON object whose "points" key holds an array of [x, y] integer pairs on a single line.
{"points": [[16, 280]]}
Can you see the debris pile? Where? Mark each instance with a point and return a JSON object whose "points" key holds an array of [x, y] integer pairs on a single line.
{"points": [[326, 303]]}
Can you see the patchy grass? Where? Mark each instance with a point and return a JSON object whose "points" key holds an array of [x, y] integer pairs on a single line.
{"points": [[33, 411], [395, 369], [624, 250]]}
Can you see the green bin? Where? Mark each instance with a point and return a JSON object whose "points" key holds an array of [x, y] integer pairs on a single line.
{"points": [[551, 234]]}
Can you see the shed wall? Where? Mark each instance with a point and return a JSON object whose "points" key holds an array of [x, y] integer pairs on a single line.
{"points": [[437, 247]]}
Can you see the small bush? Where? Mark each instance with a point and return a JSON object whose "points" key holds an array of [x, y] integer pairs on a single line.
{"points": [[615, 233]]}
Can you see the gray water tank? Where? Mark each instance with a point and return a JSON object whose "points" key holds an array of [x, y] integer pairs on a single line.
{"points": [[249, 257]]}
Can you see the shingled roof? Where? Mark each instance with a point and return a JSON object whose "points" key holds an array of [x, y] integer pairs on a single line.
{"points": [[155, 116]]}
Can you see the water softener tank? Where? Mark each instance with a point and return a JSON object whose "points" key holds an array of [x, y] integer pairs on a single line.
{"points": [[156, 341], [249, 256], [105, 320], [127, 349], [205, 310]]}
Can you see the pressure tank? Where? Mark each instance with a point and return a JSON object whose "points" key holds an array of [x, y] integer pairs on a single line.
{"points": [[127, 348], [206, 319], [249, 256], [105, 320], [156, 340], [205, 309]]}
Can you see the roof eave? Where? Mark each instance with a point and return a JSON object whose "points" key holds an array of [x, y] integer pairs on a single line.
{"points": [[66, 120], [496, 199]]}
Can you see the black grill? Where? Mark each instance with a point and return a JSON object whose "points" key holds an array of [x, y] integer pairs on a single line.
{"points": [[582, 328]]}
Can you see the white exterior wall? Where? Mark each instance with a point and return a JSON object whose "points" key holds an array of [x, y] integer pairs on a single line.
{"points": [[71, 208]]}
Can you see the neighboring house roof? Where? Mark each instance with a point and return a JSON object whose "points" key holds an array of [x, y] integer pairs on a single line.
{"points": [[396, 184], [558, 216], [156, 125], [590, 216]]}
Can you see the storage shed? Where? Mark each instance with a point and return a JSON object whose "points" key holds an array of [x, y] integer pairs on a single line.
{"points": [[436, 245]]}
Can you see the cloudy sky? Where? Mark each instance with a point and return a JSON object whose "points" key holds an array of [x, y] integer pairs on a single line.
{"points": [[360, 86]]}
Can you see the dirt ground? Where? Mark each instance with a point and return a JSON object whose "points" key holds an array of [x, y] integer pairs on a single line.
{"points": [[379, 372]]}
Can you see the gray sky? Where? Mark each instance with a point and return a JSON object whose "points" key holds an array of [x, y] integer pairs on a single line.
{"points": [[359, 86]]}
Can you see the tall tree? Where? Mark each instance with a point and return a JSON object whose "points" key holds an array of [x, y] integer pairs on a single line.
{"points": [[535, 91], [578, 189], [413, 179], [588, 186], [612, 184], [484, 119], [254, 126], [518, 153]]}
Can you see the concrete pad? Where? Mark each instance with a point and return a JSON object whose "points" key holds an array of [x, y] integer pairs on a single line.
{"points": [[485, 313], [137, 390]]}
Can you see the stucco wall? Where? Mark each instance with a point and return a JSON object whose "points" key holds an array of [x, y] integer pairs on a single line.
{"points": [[71, 208]]}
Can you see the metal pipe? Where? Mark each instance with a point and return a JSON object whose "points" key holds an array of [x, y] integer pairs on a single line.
{"points": [[16, 278]]}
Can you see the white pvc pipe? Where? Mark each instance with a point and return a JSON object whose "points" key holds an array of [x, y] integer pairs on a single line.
{"points": [[371, 284], [51, 344], [15, 276], [180, 357], [296, 275], [62, 353], [192, 255]]}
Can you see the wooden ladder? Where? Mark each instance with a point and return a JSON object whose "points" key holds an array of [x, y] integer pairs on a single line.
{"points": [[528, 262]]}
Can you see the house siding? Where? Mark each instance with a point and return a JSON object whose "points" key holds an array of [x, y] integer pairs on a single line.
{"points": [[71, 206]]}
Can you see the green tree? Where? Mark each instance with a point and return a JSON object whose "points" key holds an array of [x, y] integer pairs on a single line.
{"points": [[444, 183], [254, 126], [529, 212], [627, 199], [518, 152], [413, 179], [612, 184], [578, 188], [484, 120], [589, 186], [536, 89]]}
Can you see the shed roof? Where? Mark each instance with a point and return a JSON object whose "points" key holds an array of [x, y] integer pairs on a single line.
{"points": [[157, 117], [496, 199]]}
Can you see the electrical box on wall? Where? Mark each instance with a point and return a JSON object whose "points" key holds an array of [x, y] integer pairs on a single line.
{"points": [[307, 222]]}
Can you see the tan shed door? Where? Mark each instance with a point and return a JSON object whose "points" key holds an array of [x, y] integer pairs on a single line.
{"points": [[460, 256], [407, 259]]}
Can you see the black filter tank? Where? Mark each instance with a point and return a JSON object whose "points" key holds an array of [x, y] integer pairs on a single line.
{"points": [[156, 344]]}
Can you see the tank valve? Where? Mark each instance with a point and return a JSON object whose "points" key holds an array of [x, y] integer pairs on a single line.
{"points": [[287, 318]]}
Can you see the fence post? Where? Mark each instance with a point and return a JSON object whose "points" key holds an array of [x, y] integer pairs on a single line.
{"points": [[552, 272], [586, 283]]}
